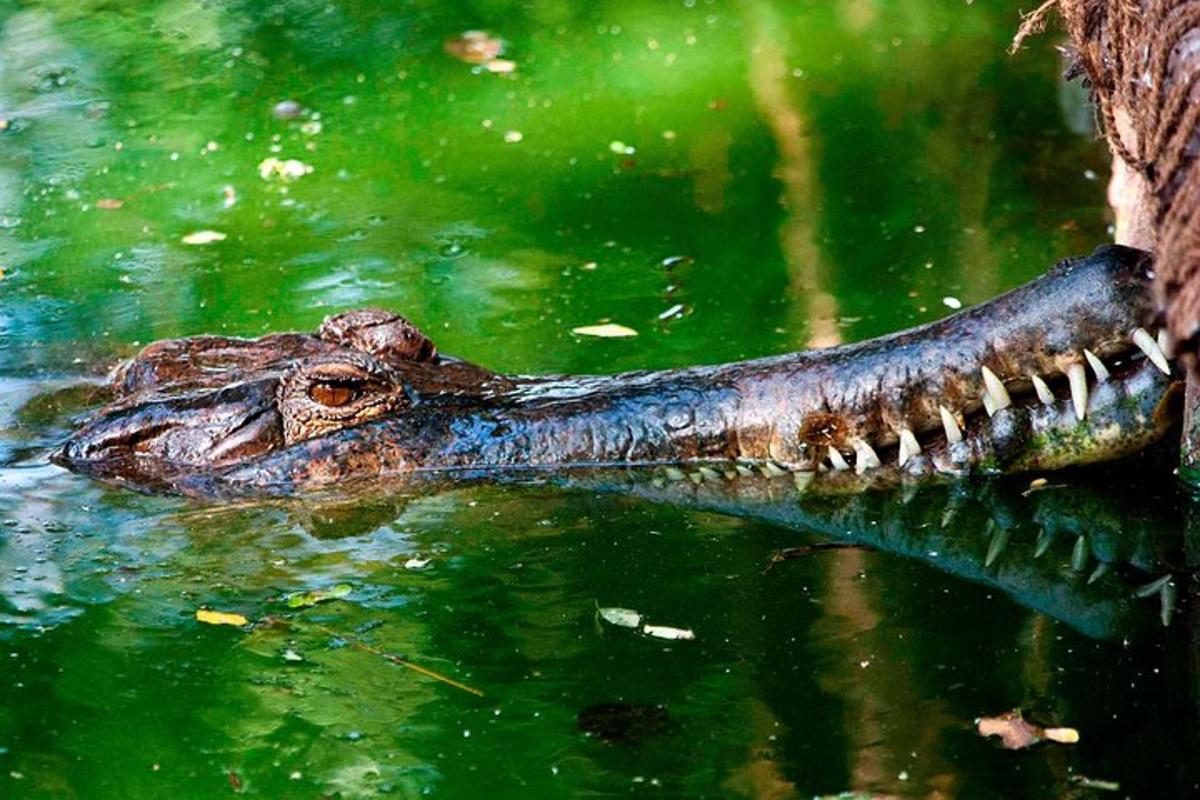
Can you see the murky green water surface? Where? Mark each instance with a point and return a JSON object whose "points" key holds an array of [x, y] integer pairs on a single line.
{"points": [[728, 179]]}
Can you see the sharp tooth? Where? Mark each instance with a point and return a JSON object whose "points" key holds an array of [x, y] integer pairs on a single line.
{"points": [[997, 544], [989, 405], [909, 446], [1079, 391], [1166, 343], [1147, 345], [865, 456], [1044, 539], [953, 432], [995, 387], [770, 469], [1097, 365], [1043, 391], [837, 459]]}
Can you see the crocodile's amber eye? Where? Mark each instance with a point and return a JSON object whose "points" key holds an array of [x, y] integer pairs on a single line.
{"points": [[334, 395]]}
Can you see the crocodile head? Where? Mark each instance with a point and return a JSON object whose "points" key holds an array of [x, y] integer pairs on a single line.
{"points": [[1074, 379]]}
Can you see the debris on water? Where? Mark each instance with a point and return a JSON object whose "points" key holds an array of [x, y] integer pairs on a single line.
{"points": [[1017, 733], [674, 312], [474, 47], [311, 598], [780, 556], [671, 262], [500, 66], [287, 109], [109, 203], [512, 137], [609, 330], [952, 302], [210, 617], [203, 237], [416, 562], [621, 617], [1041, 484], [620, 148], [286, 170], [667, 632], [228, 196], [292, 656], [1093, 783], [622, 723]]}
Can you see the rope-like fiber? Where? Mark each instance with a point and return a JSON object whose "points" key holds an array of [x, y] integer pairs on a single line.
{"points": [[1143, 57]]}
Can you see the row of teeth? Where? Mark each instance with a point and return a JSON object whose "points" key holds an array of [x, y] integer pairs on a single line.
{"points": [[996, 398]]}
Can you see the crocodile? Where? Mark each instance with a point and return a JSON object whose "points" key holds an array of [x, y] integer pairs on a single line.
{"points": [[1058, 372]]}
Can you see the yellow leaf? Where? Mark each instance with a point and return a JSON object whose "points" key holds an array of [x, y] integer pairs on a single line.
{"points": [[1062, 735], [204, 237], [666, 632], [220, 617], [608, 331]]}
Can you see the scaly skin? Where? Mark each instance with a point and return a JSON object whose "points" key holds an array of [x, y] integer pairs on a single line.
{"points": [[368, 397]]}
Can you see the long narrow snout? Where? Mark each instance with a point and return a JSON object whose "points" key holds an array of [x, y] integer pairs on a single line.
{"points": [[200, 430]]}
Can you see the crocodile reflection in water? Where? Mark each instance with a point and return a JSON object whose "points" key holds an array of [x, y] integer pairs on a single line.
{"points": [[1078, 551], [1058, 372]]}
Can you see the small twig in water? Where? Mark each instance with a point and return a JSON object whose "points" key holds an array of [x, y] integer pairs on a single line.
{"points": [[807, 549], [358, 644]]}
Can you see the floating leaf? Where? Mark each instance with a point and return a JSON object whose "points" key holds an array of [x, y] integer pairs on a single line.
{"points": [[204, 237], [665, 632], [311, 598], [621, 617], [500, 66], [474, 47], [1061, 735], [283, 169], [209, 617], [1093, 783], [607, 331], [1017, 733]]}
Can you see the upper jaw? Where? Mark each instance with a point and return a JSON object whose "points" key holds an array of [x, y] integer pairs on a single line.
{"points": [[160, 437]]}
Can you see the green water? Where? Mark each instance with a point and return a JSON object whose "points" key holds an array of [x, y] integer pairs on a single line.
{"points": [[827, 170]]}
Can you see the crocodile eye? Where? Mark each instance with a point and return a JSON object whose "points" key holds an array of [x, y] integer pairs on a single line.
{"points": [[334, 395]]}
